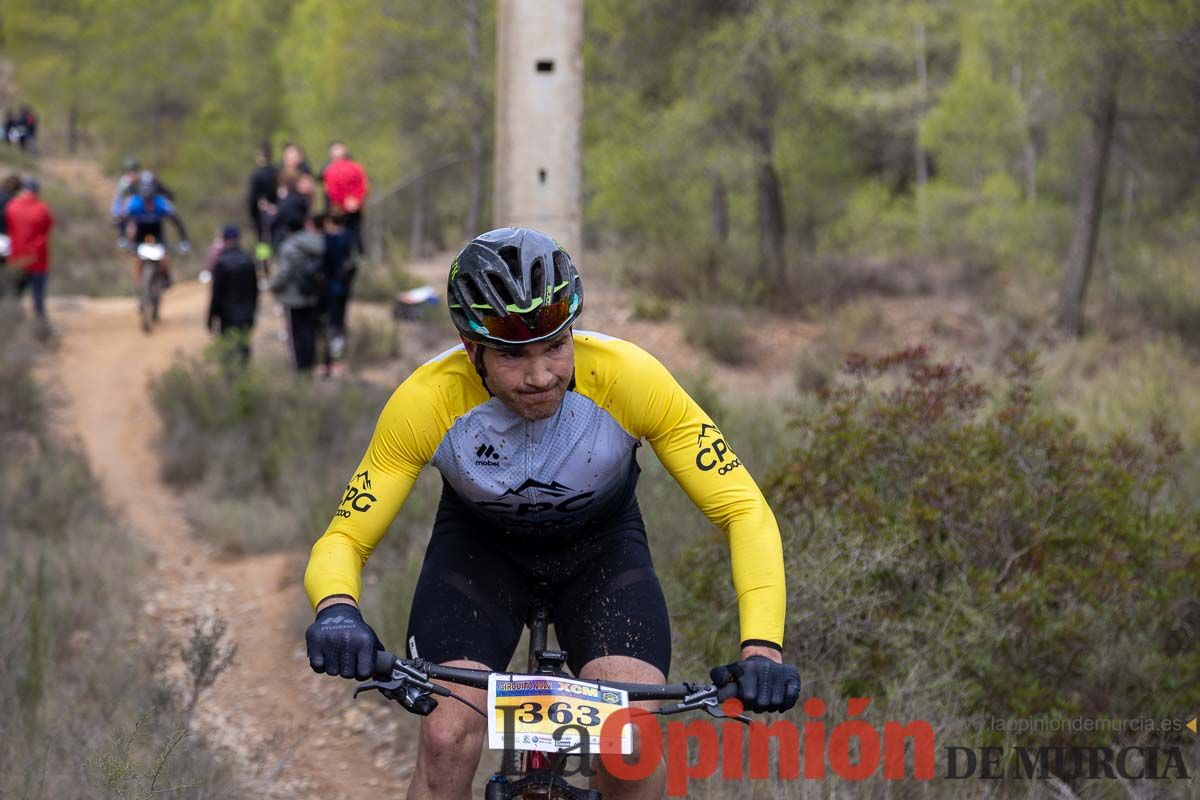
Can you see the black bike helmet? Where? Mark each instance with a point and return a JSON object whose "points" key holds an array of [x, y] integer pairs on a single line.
{"points": [[513, 286]]}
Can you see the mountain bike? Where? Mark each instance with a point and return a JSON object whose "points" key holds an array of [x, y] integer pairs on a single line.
{"points": [[532, 763], [153, 279]]}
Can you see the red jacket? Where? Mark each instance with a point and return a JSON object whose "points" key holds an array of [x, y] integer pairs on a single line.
{"points": [[345, 179], [29, 223]]}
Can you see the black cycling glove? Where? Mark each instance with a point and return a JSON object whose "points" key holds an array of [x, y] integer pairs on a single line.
{"points": [[340, 643], [760, 683]]}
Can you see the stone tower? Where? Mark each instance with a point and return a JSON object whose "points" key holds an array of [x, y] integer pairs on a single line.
{"points": [[539, 117]]}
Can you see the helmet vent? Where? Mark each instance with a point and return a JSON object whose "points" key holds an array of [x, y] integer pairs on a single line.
{"points": [[469, 293], [501, 288], [537, 278], [561, 273], [512, 257]]}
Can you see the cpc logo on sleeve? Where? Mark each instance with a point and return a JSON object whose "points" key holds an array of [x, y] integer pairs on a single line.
{"points": [[358, 498], [712, 452]]}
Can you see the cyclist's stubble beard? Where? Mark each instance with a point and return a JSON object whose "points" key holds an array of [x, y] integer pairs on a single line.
{"points": [[534, 410], [533, 385]]}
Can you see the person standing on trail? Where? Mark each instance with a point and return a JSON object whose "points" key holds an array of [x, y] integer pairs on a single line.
{"points": [[292, 165], [262, 193], [295, 204], [346, 189], [234, 300], [339, 268], [29, 221], [297, 287]]}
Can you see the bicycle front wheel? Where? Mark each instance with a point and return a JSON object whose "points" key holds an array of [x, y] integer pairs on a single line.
{"points": [[157, 285], [146, 304], [537, 787]]}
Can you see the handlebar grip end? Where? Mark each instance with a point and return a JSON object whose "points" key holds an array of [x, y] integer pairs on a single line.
{"points": [[385, 662]]}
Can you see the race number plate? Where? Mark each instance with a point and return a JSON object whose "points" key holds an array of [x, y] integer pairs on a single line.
{"points": [[548, 713]]}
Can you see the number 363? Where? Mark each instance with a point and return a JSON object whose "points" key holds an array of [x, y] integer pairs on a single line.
{"points": [[559, 713]]}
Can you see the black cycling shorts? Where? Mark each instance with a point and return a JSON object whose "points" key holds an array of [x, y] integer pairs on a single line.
{"points": [[472, 598]]}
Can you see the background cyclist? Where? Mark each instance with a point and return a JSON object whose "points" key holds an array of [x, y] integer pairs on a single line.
{"points": [[143, 215], [127, 187]]}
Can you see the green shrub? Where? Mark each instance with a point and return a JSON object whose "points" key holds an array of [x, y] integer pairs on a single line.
{"points": [[379, 282], [371, 340], [1112, 386], [1162, 284], [262, 446], [651, 308], [974, 554], [21, 398], [719, 331], [239, 523], [842, 331], [265, 456]]}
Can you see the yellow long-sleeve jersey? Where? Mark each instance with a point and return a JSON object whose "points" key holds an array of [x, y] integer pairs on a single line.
{"points": [[555, 476]]}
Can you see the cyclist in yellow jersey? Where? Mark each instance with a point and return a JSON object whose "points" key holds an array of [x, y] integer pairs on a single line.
{"points": [[534, 427]]}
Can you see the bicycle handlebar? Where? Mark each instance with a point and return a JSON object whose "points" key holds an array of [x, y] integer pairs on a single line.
{"points": [[387, 663]]}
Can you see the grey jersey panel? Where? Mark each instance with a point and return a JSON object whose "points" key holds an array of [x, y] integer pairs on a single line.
{"points": [[560, 472]]}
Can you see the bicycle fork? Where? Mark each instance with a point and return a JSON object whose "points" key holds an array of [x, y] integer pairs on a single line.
{"points": [[517, 767]]}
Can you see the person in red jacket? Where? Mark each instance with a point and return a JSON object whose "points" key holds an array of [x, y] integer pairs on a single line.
{"points": [[29, 222], [346, 190]]}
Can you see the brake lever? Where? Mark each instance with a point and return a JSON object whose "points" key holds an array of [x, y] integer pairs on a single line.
{"points": [[395, 683], [414, 677], [704, 700], [713, 708], [404, 678]]}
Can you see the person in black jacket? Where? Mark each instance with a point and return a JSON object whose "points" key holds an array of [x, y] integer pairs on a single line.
{"points": [[234, 293], [339, 267], [292, 209], [262, 193]]}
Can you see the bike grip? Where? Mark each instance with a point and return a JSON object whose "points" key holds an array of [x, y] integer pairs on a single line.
{"points": [[385, 662]]}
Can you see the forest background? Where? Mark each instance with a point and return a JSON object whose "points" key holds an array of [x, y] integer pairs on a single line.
{"points": [[758, 141]]}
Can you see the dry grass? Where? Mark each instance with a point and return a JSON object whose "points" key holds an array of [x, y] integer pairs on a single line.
{"points": [[77, 658], [718, 331], [379, 282]]}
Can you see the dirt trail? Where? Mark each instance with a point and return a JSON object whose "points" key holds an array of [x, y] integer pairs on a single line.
{"points": [[286, 726]]}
